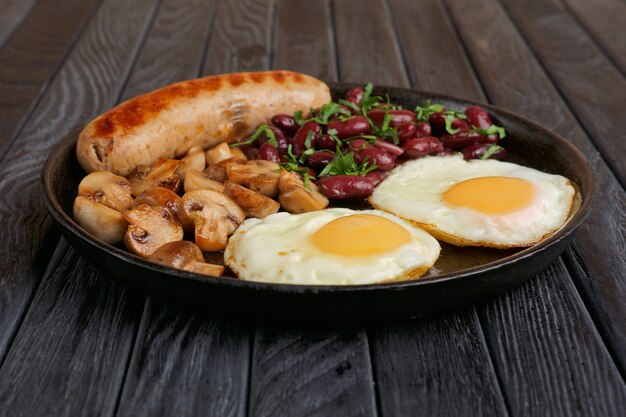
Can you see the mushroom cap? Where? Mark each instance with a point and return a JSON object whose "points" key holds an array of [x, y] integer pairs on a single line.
{"points": [[163, 173], [180, 254], [99, 220], [149, 228], [295, 197], [108, 189]]}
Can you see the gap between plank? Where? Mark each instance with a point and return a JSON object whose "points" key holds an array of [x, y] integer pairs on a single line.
{"points": [[271, 35], [333, 34], [23, 18]]}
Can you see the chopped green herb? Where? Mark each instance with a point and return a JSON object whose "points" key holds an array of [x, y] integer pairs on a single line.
{"points": [[426, 110], [293, 165], [492, 149], [271, 138], [297, 115], [344, 164], [449, 119], [350, 105]]}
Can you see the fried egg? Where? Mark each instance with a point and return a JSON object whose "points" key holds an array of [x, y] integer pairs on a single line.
{"points": [[330, 247], [477, 203]]}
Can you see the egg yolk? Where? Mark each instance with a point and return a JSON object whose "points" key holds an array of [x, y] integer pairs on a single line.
{"points": [[491, 195], [360, 235]]}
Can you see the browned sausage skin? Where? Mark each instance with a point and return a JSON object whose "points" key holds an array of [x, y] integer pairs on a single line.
{"points": [[167, 122]]}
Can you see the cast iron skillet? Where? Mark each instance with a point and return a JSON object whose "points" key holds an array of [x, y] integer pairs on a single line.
{"points": [[461, 275]]}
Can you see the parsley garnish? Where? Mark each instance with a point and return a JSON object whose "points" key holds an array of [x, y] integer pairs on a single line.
{"points": [[426, 110], [271, 138], [292, 164], [297, 115], [492, 149], [491, 130], [344, 164]]}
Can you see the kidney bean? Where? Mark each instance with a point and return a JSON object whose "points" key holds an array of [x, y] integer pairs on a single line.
{"points": [[398, 117], [389, 147], [358, 125], [423, 129], [479, 149], [269, 152], [345, 186], [285, 123], [406, 131], [446, 152], [494, 138], [358, 144], [299, 138], [418, 147], [354, 95], [478, 117], [281, 139], [383, 159], [320, 159], [461, 139], [438, 123], [325, 142], [376, 176], [251, 152]]}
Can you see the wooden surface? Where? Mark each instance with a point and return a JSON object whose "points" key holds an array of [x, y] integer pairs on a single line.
{"points": [[73, 342]]}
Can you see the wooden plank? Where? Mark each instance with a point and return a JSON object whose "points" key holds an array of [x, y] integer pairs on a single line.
{"points": [[51, 356], [418, 377], [13, 13], [303, 38], [83, 88], [407, 383], [301, 370], [577, 375], [32, 56], [434, 60], [515, 80], [604, 20], [570, 56], [358, 29], [185, 364], [240, 40]]}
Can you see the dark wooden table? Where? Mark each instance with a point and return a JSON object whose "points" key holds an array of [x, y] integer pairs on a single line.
{"points": [[75, 343]]}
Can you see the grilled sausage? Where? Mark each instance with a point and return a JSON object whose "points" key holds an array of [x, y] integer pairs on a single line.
{"points": [[167, 122]]}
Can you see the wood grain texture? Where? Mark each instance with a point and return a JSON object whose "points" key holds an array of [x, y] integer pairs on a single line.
{"points": [[514, 79], [436, 367], [32, 55], [604, 20], [303, 38], [570, 56], [240, 40], [399, 367], [174, 47], [304, 371], [578, 377], [185, 364], [367, 52], [83, 88], [435, 57], [70, 361], [13, 13]]}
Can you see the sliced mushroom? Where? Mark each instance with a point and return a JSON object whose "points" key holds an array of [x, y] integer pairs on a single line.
{"points": [[108, 189], [194, 161], [266, 184], [295, 197], [238, 154], [252, 203], [160, 197], [221, 153], [163, 173], [243, 173], [217, 172], [99, 220], [150, 227], [185, 255], [215, 217], [200, 180]]}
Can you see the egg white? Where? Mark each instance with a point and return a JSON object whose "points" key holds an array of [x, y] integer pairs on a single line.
{"points": [[279, 249], [414, 191]]}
